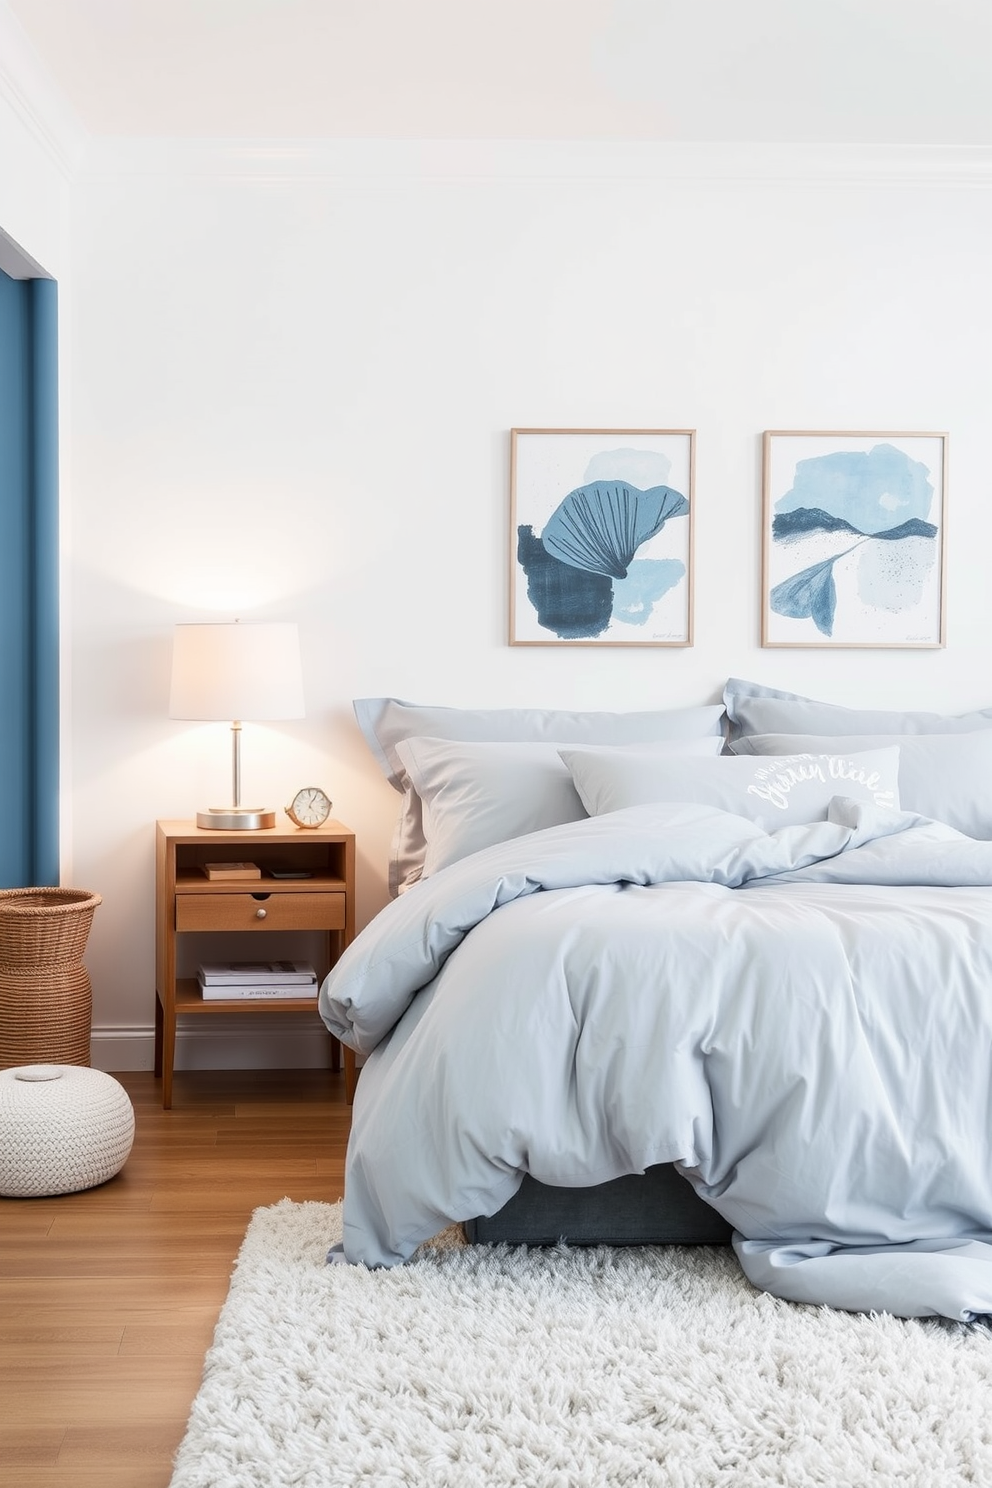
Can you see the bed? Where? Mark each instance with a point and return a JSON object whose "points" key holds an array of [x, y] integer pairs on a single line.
{"points": [[692, 976]]}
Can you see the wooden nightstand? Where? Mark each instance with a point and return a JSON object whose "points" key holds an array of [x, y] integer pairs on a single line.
{"points": [[187, 901]]}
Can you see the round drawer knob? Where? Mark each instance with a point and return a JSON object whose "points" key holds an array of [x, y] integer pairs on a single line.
{"points": [[260, 914]]}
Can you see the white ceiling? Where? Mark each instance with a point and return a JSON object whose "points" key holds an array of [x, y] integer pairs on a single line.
{"points": [[890, 72]]}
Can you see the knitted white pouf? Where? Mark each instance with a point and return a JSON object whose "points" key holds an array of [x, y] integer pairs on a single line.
{"points": [[63, 1127]]}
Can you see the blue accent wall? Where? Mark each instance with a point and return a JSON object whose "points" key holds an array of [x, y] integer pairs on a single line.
{"points": [[29, 619]]}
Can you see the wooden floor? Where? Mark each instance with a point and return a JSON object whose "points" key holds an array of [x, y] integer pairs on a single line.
{"points": [[108, 1298]]}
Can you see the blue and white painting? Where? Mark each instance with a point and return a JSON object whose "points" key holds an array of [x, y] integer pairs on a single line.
{"points": [[853, 539], [601, 534]]}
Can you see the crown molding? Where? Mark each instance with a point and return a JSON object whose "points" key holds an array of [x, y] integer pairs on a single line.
{"points": [[28, 89], [368, 160]]}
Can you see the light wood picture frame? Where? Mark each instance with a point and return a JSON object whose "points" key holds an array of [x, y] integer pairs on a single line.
{"points": [[853, 539], [601, 537]]}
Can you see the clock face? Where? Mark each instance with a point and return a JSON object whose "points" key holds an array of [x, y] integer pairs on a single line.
{"points": [[310, 807]]}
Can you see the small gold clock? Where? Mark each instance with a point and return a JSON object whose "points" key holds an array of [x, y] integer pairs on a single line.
{"points": [[310, 807]]}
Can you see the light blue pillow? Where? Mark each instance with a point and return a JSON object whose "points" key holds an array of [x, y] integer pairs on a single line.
{"points": [[386, 722], [475, 795], [779, 792]]}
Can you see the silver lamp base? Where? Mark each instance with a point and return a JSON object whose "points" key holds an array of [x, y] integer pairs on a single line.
{"points": [[235, 819]]}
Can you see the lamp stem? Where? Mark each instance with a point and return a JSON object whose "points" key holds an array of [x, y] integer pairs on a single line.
{"points": [[235, 817], [236, 762]]}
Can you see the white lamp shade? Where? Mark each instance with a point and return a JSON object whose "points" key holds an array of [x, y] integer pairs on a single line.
{"points": [[236, 672]]}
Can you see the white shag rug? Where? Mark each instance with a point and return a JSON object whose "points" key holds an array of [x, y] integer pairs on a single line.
{"points": [[472, 1367]]}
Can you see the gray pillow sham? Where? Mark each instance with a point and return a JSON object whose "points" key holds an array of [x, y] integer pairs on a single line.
{"points": [[386, 722], [755, 709], [945, 776]]}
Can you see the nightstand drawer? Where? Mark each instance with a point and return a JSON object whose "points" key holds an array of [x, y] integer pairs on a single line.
{"points": [[271, 912]]}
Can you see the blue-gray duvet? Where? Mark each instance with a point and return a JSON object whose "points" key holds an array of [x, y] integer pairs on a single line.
{"points": [[801, 1020]]}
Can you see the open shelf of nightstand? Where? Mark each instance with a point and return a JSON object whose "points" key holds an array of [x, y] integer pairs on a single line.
{"points": [[189, 999]]}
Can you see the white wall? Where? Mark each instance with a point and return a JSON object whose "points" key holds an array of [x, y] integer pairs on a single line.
{"points": [[293, 379]]}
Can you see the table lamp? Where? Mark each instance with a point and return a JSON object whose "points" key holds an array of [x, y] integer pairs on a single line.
{"points": [[236, 672]]}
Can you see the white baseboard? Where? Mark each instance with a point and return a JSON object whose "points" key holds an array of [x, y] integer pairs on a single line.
{"points": [[224, 1045]]}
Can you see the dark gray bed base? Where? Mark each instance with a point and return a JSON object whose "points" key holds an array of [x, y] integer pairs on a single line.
{"points": [[657, 1207]]}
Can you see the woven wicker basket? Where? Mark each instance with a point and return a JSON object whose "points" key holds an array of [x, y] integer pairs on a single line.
{"points": [[46, 999]]}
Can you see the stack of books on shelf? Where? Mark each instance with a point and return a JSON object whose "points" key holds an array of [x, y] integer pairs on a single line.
{"points": [[231, 981]]}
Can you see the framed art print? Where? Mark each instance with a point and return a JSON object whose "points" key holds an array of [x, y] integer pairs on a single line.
{"points": [[601, 537], [853, 550]]}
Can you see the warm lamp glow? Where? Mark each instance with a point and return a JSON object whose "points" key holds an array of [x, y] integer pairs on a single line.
{"points": [[236, 672]]}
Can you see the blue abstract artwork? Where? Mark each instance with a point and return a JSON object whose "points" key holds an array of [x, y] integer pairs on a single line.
{"points": [[601, 544], [853, 539]]}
